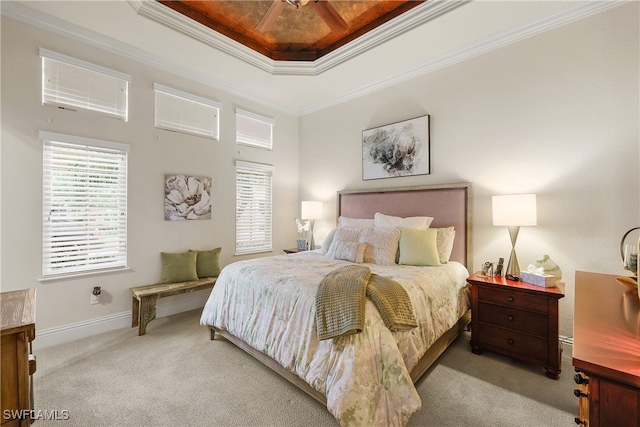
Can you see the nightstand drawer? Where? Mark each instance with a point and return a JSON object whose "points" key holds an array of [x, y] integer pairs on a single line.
{"points": [[512, 318], [513, 299], [514, 342]]}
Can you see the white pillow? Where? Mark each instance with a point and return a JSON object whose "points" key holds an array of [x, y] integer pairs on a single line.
{"points": [[343, 234], [326, 243], [444, 242], [344, 221], [416, 222], [382, 244], [349, 251]]}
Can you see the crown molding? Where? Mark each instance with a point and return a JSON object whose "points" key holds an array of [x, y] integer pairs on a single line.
{"points": [[14, 10], [396, 26], [566, 15]]}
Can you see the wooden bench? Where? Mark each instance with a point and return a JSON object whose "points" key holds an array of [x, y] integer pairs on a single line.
{"points": [[144, 298]]}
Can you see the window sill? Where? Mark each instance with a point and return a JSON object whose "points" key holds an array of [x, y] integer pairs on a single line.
{"points": [[67, 277]]}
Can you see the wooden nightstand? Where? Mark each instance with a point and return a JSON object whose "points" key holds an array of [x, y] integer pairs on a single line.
{"points": [[516, 319], [291, 251]]}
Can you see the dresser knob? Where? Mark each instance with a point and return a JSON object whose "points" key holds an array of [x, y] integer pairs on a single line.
{"points": [[579, 379], [510, 299], [579, 421], [578, 393], [510, 341], [510, 318]]}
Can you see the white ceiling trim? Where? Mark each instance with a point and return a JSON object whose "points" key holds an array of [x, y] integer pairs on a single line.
{"points": [[392, 28], [566, 15], [54, 25]]}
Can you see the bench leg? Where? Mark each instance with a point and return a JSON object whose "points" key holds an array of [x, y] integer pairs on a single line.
{"points": [[135, 312], [147, 312]]}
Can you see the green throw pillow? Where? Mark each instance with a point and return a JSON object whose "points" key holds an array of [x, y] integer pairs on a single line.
{"points": [[178, 267], [418, 247], [208, 263]]}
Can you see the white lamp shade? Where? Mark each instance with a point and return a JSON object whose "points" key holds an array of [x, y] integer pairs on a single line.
{"points": [[311, 210], [514, 210]]}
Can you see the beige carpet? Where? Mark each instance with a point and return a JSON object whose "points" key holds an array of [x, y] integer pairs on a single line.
{"points": [[176, 376]]}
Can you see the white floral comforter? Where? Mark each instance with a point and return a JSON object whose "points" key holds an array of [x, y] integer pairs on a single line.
{"points": [[270, 304]]}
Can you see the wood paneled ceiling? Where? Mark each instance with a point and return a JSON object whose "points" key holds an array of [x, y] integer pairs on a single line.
{"points": [[281, 31]]}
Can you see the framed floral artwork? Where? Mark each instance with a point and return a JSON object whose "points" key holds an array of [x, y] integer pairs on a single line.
{"points": [[398, 149], [187, 197]]}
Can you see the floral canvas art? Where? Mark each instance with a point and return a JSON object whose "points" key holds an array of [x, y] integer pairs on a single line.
{"points": [[187, 197], [398, 149]]}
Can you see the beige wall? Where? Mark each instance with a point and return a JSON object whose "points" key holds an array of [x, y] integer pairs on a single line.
{"points": [[153, 153], [555, 114]]}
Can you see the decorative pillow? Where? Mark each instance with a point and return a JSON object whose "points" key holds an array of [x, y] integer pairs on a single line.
{"points": [[178, 267], [417, 222], [444, 241], [418, 247], [344, 221], [382, 244], [208, 263], [350, 251], [345, 234], [326, 243]]}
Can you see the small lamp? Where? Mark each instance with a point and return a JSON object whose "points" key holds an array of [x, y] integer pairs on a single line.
{"points": [[311, 211], [514, 211]]}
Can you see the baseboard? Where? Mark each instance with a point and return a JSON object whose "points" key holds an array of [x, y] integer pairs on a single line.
{"points": [[75, 331]]}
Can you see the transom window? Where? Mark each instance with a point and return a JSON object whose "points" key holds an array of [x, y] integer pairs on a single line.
{"points": [[183, 112], [254, 130], [72, 83]]}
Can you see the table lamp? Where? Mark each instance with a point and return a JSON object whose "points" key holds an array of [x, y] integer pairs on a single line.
{"points": [[514, 211], [311, 211]]}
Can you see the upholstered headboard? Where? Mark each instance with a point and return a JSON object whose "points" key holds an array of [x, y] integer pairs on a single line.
{"points": [[448, 204]]}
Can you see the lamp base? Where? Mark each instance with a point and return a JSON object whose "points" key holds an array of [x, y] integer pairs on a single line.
{"points": [[512, 266]]}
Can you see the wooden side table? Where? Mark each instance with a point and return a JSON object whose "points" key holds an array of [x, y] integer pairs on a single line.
{"points": [[292, 251], [516, 319], [18, 319]]}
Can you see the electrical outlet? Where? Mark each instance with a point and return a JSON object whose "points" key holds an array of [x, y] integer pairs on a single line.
{"points": [[95, 299]]}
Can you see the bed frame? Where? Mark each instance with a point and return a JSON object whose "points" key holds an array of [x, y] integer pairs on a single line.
{"points": [[448, 204]]}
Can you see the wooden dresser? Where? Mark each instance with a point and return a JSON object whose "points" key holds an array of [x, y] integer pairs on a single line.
{"points": [[606, 351], [516, 319], [18, 313]]}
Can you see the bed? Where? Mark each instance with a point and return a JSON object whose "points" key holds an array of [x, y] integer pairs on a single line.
{"points": [[266, 307]]}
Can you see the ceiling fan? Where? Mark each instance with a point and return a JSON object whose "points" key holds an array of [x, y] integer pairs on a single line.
{"points": [[327, 12]]}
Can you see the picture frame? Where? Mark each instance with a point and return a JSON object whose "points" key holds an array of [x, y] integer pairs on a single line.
{"points": [[187, 197], [397, 149]]}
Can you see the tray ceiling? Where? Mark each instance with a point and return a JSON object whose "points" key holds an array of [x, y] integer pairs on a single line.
{"points": [[292, 30]]}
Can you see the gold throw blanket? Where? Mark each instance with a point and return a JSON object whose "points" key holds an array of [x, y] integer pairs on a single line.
{"points": [[340, 302]]}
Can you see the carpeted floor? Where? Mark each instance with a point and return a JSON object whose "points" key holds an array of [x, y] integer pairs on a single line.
{"points": [[175, 376]]}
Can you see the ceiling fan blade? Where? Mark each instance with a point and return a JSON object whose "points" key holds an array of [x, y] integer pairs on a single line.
{"points": [[330, 16], [270, 17]]}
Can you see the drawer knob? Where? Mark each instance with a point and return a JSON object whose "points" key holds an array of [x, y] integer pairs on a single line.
{"points": [[510, 318], [578, 393], [579, 421], [510, 299], [510, 341], [579, 379]]}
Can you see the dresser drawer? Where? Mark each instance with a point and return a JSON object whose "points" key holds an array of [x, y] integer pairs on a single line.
{"points": [[513, 318], [513, 342], [514, 299]]}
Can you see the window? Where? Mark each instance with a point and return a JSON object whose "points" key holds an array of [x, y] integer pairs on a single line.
{"points": [[254, 130], [182, 112], [253, 207], [84, 218], [70, 82]]}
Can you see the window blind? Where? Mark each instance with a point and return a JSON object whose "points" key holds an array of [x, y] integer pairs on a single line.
{"points": [[183, 112], [84, 218], [253, 207], [74, 83], [254, 130]]}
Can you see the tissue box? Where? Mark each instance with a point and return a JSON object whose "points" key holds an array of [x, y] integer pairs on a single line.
{"points": [[546, 280]]}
